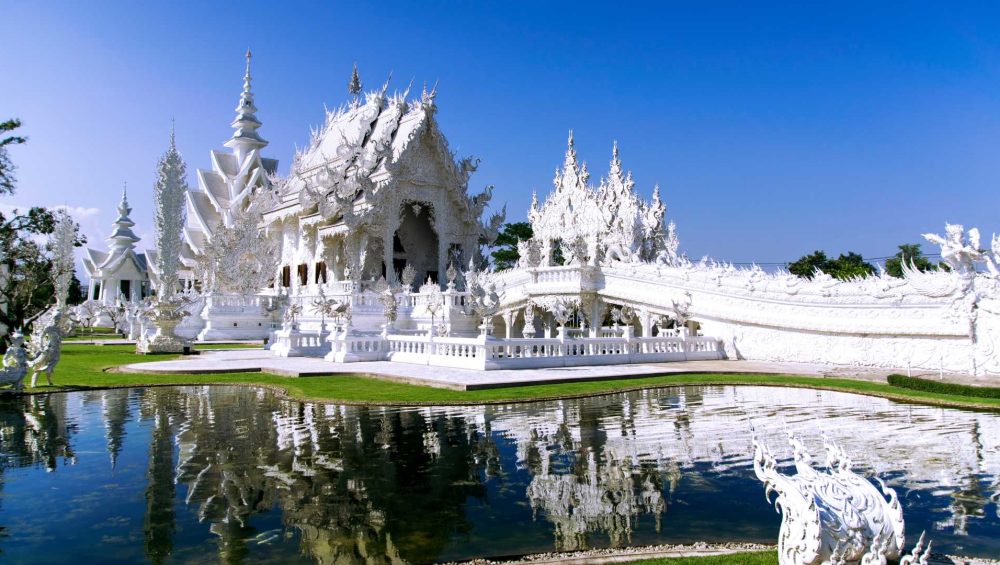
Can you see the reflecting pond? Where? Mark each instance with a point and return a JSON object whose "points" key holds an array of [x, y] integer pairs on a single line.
{"points": [[236, 474]]}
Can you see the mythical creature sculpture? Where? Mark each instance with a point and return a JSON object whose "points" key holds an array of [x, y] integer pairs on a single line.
{"points": [[46, 347], [485, 293], [832, 517], [992, 259], [15, 363], [489, 230], [956, 252]]}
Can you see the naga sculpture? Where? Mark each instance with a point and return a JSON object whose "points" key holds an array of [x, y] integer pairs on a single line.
{"points": [[15, 363], [836, 517]]}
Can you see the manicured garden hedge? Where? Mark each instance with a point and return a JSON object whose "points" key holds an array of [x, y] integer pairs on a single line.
{"points": [[939, 387]]}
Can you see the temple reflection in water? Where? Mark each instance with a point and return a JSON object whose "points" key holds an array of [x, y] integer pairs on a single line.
{"points": [[241, 473]]}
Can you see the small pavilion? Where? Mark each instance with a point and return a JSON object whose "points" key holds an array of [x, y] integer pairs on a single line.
{"points": [[120, 272]]}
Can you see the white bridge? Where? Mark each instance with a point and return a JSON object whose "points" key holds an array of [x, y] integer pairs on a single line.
{"points": [[661, 313]]}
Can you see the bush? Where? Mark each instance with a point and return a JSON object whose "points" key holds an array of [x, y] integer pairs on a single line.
{"points": [[926, 385]]}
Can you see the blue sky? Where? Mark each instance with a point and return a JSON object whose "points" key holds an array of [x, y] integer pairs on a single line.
{"points": [[772, 130]]}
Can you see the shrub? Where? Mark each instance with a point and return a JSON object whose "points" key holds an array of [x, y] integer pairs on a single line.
{"points": [[926, 385]]}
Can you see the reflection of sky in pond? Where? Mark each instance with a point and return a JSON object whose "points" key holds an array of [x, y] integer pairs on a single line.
{"points": [[181, 474]]}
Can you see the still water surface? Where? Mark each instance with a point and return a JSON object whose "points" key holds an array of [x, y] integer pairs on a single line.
{"points": [[235, 474]]}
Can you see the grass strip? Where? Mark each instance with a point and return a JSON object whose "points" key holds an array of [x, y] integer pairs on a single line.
{"points": [[85, 367]]}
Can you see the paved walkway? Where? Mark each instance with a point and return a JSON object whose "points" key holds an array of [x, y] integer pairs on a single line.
{"points": [[253, 360]]}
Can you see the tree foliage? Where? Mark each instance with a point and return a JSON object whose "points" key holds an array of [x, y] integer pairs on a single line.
{"points": [[843, 267], [505, 254], [26, 265], [7, 167], [909, 253]]}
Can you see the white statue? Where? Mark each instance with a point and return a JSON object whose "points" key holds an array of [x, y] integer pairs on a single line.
{"points": [[63, 243], [15, 363], [958, 254], [832, 517], [168, 217], [46, 349]]}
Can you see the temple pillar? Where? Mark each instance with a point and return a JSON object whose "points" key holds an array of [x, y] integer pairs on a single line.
{"points": [[647, 323], [442, 256], [508, 322], [388, 253]]}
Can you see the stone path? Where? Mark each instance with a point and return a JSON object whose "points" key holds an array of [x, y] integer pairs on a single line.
{"points": [[253, 360]]}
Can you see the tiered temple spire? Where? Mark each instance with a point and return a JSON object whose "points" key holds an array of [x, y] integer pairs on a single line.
{"points": [[245, 137], [122, 238]]}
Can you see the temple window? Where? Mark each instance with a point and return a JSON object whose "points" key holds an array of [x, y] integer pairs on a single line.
{"points": [[286, 276], [303, 272], [321, 272]]}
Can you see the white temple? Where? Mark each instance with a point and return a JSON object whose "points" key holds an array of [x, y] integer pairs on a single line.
{"points": [[377, 204], [119, 273]]}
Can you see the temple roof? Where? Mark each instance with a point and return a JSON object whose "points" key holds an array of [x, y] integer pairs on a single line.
{"points": [[371, 135]]}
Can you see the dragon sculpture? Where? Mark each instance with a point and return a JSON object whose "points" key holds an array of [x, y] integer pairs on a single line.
{"points": [[837, 517]]}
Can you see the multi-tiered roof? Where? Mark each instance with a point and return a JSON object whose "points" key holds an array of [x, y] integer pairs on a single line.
{"points": [[121, 246], [236, 175]]}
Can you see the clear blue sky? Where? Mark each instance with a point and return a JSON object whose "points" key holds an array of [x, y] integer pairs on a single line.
{"points": [[773, 131]]}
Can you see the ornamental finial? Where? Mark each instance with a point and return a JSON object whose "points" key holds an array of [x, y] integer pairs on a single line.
{"points": [[354, 86], [123, 207], [245, 136]]}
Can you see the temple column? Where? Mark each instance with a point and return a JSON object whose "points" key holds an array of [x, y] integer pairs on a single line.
{"points": [[647, 323], [508, 322], [442, 256], [387, 254]]}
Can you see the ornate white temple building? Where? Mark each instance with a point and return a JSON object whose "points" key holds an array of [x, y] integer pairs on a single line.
{"points": [[121, 273], [377, 204]]}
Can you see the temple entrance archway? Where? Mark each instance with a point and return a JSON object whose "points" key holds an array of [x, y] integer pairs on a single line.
{"points": [[416, 242]]}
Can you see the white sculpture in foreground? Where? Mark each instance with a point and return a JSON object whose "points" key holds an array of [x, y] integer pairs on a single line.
{"points": [[45, 348], [836, 517], [15, 363]]}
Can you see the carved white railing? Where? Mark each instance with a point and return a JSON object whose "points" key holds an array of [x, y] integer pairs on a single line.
{"points": [[295, 343], [483, 353], [237, 303]]}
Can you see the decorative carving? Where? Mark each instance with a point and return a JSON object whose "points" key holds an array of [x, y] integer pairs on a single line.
{"points": [[956, 251], [407, 277], [833, 517], [168, 217]]}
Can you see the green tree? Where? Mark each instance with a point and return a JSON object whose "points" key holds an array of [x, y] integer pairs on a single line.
{"points": [[807, 265], [843, 267], [7, 167], [504, 252], [908, 253], [851, 265]]}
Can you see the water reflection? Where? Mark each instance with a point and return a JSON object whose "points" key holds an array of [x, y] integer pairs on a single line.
{"points": [[239, 473]]}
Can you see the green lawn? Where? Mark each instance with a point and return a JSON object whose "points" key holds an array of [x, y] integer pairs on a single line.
{"points": [[748, 558], [83, 366]]}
